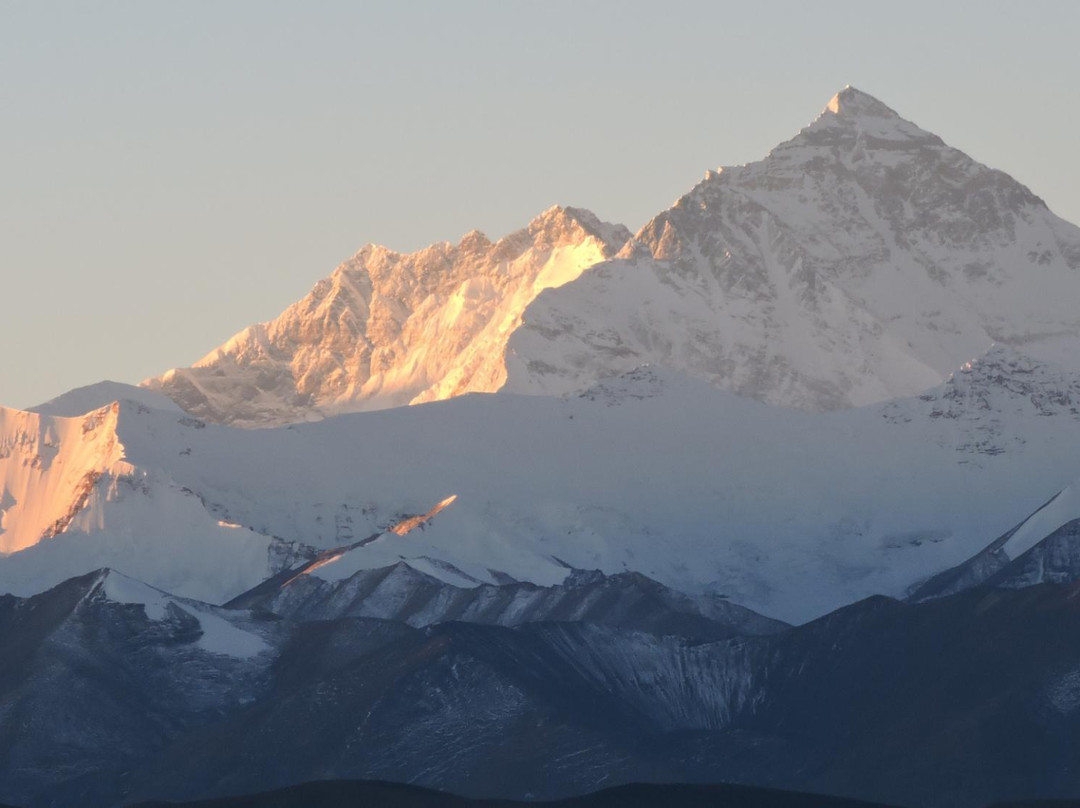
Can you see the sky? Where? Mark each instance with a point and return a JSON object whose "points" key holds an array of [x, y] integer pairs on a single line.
{"points": [[172, 172]]}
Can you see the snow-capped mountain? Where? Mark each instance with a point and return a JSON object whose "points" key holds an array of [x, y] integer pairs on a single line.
{"points": [[788, 513], [862, 260], [387, 329], [534, 595]]}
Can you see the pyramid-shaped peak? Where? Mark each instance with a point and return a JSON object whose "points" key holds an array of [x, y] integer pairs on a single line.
{"points": [[853, 113], [854, 103]]}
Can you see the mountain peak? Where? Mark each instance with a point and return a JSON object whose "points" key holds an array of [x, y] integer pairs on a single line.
{"points": [[852, 116], [854, 103], [474, 241], [570, 224]]}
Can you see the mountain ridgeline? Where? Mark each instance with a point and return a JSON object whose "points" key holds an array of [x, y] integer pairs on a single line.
{"points": [[387, 329]]}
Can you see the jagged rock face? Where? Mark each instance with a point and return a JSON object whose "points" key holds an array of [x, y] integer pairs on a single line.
{"points": [[860, 261], [49, 468], [1055, 559], [386, 329]]}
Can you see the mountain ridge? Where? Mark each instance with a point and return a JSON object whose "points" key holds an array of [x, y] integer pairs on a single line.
{"points": [[387, 328]]}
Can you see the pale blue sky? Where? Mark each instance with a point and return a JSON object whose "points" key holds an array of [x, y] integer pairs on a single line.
{"points": [[173, 171]]}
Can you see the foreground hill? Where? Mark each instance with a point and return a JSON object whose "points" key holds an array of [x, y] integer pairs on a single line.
{"points": [[113, 691]]}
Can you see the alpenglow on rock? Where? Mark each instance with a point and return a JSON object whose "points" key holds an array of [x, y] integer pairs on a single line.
{"points": [[388, 329], [860, 261]]}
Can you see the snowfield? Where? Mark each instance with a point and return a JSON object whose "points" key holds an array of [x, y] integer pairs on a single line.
{"points": [[832, 373], [786, 512]]}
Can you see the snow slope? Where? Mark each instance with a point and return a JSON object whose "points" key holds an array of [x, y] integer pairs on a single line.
{"points": [[788, 513], [387, 329], [71, 501], [1043, 548], [862, 260]]}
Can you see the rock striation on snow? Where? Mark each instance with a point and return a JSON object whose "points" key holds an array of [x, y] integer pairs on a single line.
{"points": [[401, 592], [979, 405], [388, 329]]}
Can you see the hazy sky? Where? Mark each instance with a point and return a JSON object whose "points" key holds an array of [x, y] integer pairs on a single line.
{"points": [[173, 171]]}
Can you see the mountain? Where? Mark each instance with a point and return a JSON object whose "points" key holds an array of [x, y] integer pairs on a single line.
{"points": [[387, 328], [112, 691], [651, 573], [860, 261], [703, 492]]}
